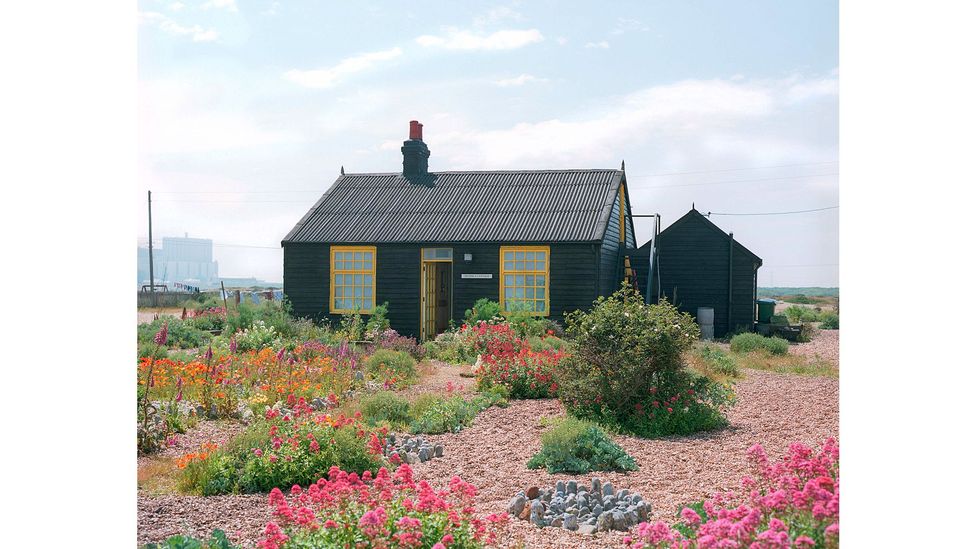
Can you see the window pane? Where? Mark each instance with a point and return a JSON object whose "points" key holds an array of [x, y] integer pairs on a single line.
{"points": [[509, 256], [540, 306], [368, 291], [444, 253], [358, 280], [540, 280], [359, 291], [367, 304], [358, 256], [540, 293], [509, 280], [347, 304], [367, 265], [368, 256], [519, 255], [509, 293], [519, 265], [530, 292], [347, 280], [540, 256], [509, 265], [368, 280], [338, 280], [338, 304]]}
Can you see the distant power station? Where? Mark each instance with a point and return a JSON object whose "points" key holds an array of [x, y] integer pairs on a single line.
{"points": [[187, 261]]}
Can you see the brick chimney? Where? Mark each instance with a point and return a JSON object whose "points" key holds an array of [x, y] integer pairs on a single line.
{"points": [[415, 152]]}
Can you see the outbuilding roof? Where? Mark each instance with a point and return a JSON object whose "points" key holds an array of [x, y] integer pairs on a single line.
{"points": [[482, 206], [695, 215]]}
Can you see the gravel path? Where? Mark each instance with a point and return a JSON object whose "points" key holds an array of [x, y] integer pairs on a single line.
{"points": [[772, 409], [825, 344]]}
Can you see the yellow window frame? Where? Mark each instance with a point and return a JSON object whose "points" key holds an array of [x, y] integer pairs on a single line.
{"points": [[515, 272], [341, 266]]}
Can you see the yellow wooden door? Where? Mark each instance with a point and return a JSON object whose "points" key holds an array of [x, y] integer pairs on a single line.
{"points": [[428, 300]]}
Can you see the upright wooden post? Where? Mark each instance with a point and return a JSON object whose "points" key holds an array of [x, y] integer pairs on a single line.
{"points": [[152, 281], [223, 293]]}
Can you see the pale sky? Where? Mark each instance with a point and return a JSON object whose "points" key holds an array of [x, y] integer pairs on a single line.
{"points": [[248, 109]]}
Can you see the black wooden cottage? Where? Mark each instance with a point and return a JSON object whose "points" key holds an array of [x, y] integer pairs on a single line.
{"points": [[697, 264], [432, 243]]}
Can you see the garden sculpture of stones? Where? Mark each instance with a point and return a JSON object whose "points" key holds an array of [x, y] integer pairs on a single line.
{"points": [[587, 509], [411, 449]]}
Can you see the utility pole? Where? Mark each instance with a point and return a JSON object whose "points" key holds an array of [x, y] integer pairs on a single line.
{"points": [[152, 281]]}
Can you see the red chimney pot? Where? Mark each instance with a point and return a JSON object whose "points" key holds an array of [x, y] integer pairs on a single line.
{"points": [[416, 130]]}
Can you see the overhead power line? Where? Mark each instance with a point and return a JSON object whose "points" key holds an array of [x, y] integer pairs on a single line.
{"points": [[776, 213], [736, 181], [736, 169]]}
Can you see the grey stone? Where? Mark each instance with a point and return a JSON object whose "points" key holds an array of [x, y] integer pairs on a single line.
{"points": [[608, 489], [619, 522], [587, 529], [604, 522], [595, 485], [359, 375], [438, 450], [570, 522], [631, 518], [537, 513], [597, 509], [424, 454], [516, 505], [623, 493], [635, 499], [411, 458], [571, 487], [556, 522], [591, 520], [560, 486]]}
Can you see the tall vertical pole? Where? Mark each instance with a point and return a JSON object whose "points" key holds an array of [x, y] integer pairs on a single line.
{"points": [[152, 281]]}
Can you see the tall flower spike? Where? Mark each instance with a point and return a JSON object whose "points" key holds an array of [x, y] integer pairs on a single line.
{"points": [[209, 354], [233, 345], [162, 334]]}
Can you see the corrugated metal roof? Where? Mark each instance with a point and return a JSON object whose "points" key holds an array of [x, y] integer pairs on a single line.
{"points": [[499, 206]]}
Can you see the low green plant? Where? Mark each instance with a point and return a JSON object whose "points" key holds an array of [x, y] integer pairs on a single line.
{"points": [[152, 350], [218, 540], [576, 446], [525, 323], [744, 343], [761, 359], [550, 343], [274, 314], [258, 336], [387, 407], [442, 415], [378, 321], [711, 358], [182, 334], [395, 367], [829, 320], [798, 314], [483, 309]]}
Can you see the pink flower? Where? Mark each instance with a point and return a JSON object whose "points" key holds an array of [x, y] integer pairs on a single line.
{"points": [[257, 452], [803, 541], [161, 335], [690, 517]]}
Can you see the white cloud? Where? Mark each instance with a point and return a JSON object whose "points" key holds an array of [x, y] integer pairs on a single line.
{"points": [[497, 14], [272, 9], [177, 6], [816, 88], [229, 5], [562, 40], [466, 40], [603, 44], [164, 23], [329, 77], [629, 25], [519, 80], [716, 118]]}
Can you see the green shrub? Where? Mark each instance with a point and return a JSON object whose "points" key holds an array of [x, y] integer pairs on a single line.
{"points": [[385, 406], [526, 324], [258, 336], [744, 343], [442, 415], [575, 446], [378, 322], [829, 320], [483, 309], [153, 350], [218, 540], [274, 314], [626, 369], [450, 347], [551, 343], [713, 358], [181, 334], [798, 314], [392, 366]]}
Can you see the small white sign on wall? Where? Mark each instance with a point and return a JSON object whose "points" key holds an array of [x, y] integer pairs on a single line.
{"points": [[475, 275]]}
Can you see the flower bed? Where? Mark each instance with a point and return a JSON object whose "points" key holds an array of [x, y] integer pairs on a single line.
{"points": [[508, 361], [794, 503], [291, 447], [348, 510]]}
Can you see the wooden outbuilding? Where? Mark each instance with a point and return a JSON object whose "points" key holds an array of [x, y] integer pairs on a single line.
{"points": [[432, 243], [697, 264]]}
